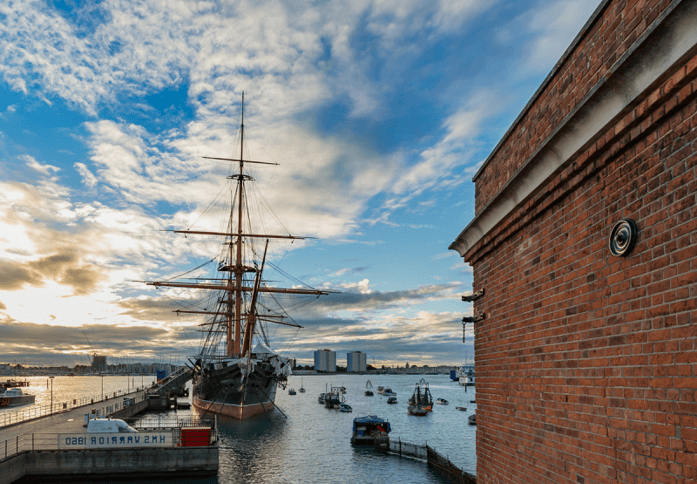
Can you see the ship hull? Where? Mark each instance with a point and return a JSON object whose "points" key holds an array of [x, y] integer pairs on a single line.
{"points": [[239, 412], [239, 388]]}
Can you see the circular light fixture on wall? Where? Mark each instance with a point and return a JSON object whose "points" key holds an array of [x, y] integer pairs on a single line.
{"points": [[623, 237]]}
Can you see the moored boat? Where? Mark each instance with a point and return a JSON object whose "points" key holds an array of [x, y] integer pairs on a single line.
{"points": [[387, 392], [369, 429], [320, 399], [302, 389], [368, 389], [422, 396], [381, 389], [417, 410], [15, 396], [345, 407], [291, 391], [392, 400], [472, 419], [333, 399], [441, 401]]}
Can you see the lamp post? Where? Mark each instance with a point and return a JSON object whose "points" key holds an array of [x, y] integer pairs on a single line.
{"points": [[51, 378], [102, 374]]}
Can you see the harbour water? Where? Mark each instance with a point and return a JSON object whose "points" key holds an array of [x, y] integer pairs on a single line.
{"points": [[310, 444]]}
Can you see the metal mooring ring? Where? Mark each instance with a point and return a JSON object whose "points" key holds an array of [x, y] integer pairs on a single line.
{"points": [[623, 237]]}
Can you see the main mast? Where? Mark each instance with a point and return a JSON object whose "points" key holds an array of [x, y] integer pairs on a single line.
{"points": [[239, 269], [235, 290]]}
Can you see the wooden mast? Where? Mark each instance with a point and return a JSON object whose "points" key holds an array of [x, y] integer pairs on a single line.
{"points": [[234, 314], [239, 270]]}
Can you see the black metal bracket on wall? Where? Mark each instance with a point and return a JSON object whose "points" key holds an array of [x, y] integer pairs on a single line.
{"points": [[474, 296], [471, 319]]}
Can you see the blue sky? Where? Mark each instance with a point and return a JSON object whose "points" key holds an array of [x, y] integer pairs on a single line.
{"points": [[378, 112]]}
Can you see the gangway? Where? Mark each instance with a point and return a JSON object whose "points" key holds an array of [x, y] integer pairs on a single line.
{"points": [[172, 384]]}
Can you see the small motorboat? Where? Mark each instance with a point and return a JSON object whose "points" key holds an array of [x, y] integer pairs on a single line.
{"points": [[344, 407], [371, 430], [388, 392], [392, 400], [302, 388], [417, 410], [291, 391], [368, 389], [380, 390], [441, 401], [462, 409], [320, 399], [15, 396], [472, 419]]}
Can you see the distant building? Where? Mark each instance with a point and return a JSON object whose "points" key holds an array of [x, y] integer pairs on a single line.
{"points": [[99, 363], [355, 362], [325, 360]]}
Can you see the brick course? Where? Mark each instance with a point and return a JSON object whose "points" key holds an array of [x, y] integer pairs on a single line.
{"points": [[587, 362]]}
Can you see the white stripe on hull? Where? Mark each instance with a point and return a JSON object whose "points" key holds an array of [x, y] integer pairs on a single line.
{"points": [[235, 411]]}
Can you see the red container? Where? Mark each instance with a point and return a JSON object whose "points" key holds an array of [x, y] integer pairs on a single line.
{"points": [[196, 436]]}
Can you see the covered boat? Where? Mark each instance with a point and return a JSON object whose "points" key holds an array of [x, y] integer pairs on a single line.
{"points": [[368, 429]]}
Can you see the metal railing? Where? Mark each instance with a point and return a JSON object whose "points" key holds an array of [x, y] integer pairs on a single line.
{"points": [[50, 441], [436, 461], [36, 411]]}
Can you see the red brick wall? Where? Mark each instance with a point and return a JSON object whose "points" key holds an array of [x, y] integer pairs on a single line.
{"points": [[587, 362], [613, 33]]}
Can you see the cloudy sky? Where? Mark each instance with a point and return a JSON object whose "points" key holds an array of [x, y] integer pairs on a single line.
{"points": [[378, 112]]}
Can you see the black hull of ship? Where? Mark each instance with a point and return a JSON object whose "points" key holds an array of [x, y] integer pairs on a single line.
{"points": [[222, 391]]}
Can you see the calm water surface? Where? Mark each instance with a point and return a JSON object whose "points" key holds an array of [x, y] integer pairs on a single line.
{"points": [[310, 444]]}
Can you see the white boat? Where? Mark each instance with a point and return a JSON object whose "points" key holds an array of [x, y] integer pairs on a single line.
{"points": [[345, 408], [466, 377], [441, 401], [388, 392], [15, 396]]}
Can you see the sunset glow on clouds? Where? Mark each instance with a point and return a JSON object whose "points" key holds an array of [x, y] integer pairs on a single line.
{"points": [[378, 112]]}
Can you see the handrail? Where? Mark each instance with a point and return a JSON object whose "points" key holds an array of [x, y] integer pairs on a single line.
{"points": [[49, 441], [36, 411]]}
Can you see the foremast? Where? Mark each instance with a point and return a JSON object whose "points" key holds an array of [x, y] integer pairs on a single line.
{"points": [[234, 287]]}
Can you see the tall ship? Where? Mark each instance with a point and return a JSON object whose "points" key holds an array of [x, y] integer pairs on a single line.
{"points": [[236, 372]]}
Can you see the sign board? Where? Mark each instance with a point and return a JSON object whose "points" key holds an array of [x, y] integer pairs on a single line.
{"points": [[114, 440]]}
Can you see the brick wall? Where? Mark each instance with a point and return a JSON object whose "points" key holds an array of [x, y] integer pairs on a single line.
{"points": [[587, 362], [612, 34]]}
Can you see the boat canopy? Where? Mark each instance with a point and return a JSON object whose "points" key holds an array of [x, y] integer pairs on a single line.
{"points": [[372, 420]]}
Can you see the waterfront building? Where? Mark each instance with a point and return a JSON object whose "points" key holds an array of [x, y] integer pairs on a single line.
{"points": [[325, 361], [99, 363], [356, 362], [584, 248]]}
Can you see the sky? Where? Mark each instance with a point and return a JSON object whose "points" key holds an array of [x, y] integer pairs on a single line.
{"points": [[378, 113]]}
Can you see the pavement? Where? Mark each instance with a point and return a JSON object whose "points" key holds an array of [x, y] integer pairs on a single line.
{"points": [[70, 421]]}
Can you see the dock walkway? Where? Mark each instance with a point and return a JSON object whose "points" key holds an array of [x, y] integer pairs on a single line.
{"points": [[71, 420]]}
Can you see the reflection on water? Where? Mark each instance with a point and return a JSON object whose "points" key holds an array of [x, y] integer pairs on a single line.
{"points": [[311, 444]]}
